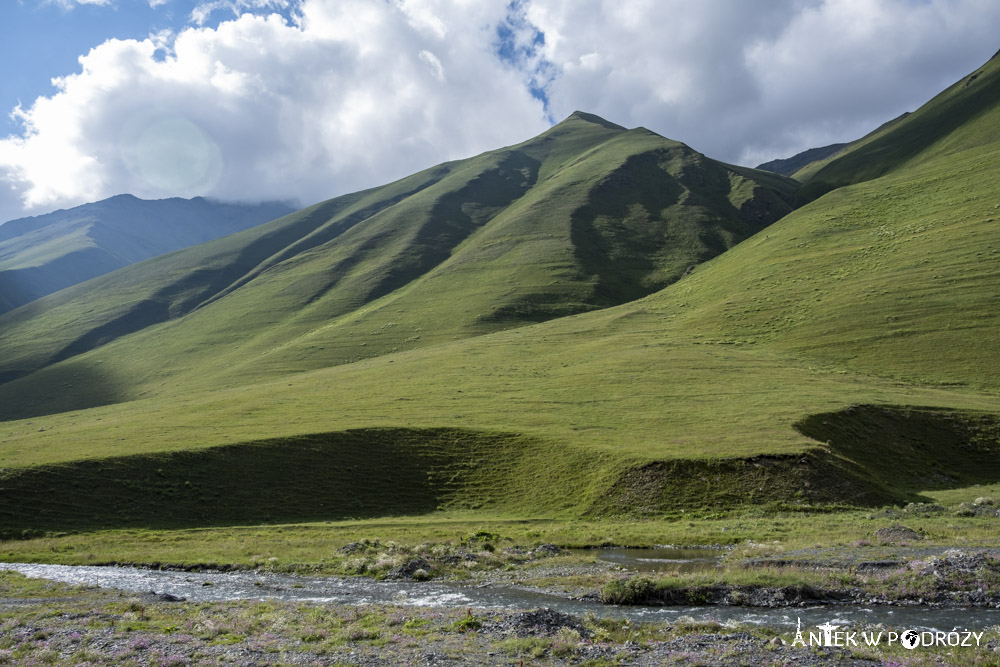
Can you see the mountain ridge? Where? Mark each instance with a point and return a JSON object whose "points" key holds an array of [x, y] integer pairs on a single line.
{"points": [[43, 254], [586, 215]]}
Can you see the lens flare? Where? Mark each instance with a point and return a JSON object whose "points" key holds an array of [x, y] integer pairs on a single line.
{"points": [[171, 155]]}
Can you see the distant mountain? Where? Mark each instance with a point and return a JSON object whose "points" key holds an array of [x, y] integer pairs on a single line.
{"points": [[788, 166], [42, 254], [584, 216], [959, 118]]}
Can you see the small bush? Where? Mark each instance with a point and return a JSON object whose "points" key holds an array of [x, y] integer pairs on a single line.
{"points": [[635, 590], [467, 623]]}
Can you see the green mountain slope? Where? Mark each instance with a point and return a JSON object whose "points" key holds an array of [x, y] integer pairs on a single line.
{"points": [[811, 163], [46, 253], [585, 216], [962, 117], [842, 354]]}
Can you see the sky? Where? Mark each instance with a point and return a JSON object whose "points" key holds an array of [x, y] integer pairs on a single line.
{"points": [[303, 100]]}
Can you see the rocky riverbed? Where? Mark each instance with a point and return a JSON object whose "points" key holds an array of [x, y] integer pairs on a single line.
{"points": [[43, 623]]}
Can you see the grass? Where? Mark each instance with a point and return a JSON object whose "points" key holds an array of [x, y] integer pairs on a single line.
{"points": [[417, 471], [906, 583], [400, 472], [763, 529], [894, 277]]}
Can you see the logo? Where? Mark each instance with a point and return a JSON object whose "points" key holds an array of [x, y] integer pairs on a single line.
{"points": [[841, 636], [910, 639]]}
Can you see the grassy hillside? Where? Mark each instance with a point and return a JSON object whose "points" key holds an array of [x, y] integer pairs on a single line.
{"points": [[585, 216], [418, 471], [896, 277], [962, 117], [46, 253], [843, 354]]}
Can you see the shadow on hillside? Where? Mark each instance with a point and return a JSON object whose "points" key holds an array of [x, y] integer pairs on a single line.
{"points": [[899, 451], [875, 456], [73, 385], [351, 474]]}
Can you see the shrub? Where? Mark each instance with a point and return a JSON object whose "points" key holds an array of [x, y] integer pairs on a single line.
{"points": [[634, 590]]}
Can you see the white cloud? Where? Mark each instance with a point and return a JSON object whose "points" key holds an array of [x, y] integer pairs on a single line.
{"points": [[353, 95], [748, 81], [204, 10]]}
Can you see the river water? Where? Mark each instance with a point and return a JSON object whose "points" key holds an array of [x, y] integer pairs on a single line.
{"points": [[219, 586], [660, 559]]}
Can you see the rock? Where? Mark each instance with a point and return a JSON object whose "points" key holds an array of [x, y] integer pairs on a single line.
{"points": [[978, 507], [408, 569], [547, 550], [545, 622], [897, 533], [352, 548]]}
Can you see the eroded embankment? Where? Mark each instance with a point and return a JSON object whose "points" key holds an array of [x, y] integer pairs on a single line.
{"points": [[872, 456], [899, 451]]}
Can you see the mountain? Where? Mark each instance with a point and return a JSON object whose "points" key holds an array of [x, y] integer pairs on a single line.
{"points": [[788, 166], [42, 254], [802, 166], [962, 117], [843, 354], [585, 216], [893, 273]]}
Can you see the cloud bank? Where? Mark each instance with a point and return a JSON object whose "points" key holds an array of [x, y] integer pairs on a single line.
{"points": [[751, 81], [355, 94], [350, 94]]}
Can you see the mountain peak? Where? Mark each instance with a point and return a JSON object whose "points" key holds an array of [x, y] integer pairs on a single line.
{"points": [[591, 118]]}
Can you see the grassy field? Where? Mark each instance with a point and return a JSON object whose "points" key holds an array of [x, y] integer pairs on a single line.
{"points": [[763, 530], [419, 471]]}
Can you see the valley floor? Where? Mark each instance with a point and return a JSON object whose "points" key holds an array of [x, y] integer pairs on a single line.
{"points": [[72, 626], [934, 554]]}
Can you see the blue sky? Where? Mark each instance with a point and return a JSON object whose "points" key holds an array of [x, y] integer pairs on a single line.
{"points": [[308, 99]]}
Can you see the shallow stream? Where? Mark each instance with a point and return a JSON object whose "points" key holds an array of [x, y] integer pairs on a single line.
{"points": [[216, 586]]}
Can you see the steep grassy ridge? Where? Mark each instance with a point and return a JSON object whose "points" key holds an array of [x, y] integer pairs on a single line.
{"points": [[897, 277], [585, 216], [964, 116]]}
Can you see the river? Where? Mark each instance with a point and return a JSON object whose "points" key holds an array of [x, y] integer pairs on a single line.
{"points": [[240, 585]]}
